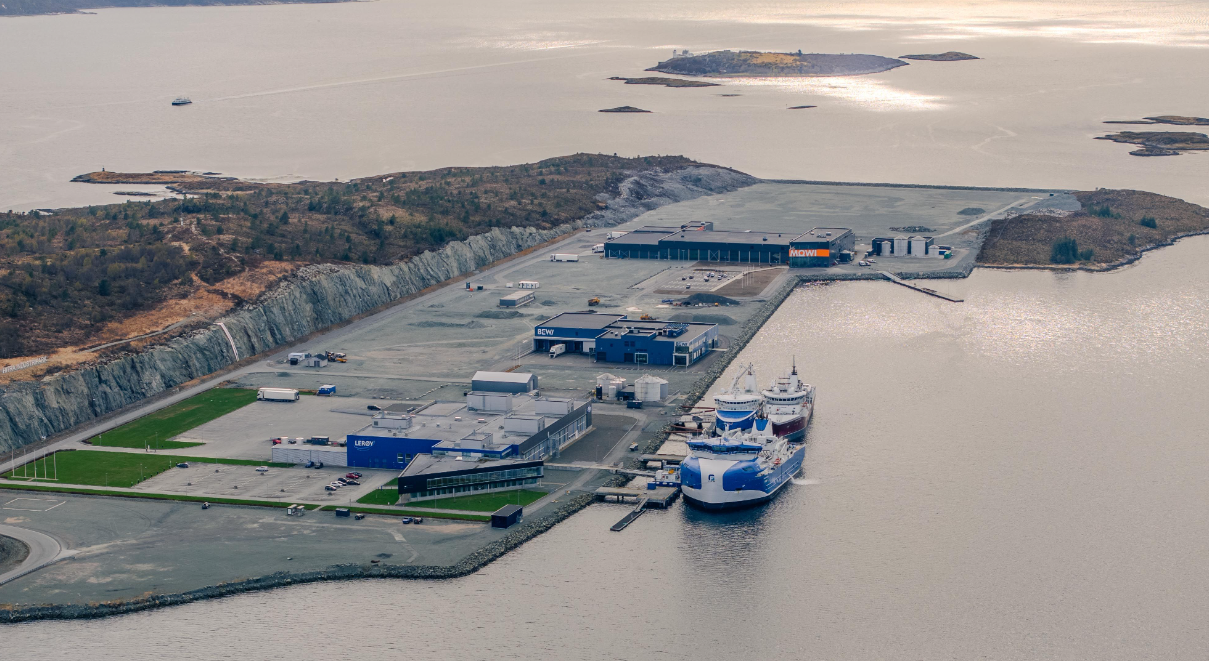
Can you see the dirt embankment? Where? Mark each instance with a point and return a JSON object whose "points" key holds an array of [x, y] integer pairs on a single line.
{"points": [[1114, 227]]}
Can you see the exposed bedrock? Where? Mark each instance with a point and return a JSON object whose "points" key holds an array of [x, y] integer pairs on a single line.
{"points": [[315, 298]]}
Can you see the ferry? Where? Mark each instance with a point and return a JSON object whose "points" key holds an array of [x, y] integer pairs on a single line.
{"points": [[181, 101], [788, 405], [736, 407], [741, 468]]}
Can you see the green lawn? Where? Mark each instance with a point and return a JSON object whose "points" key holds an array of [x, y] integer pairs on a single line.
{"points": [[380, 497], [111, 469], [485, 502], [155, 429]]}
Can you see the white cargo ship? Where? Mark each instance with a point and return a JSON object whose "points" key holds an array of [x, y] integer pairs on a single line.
{"points": [[788, 405]]}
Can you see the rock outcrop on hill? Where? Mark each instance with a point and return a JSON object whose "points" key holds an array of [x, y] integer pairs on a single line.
{"points": [[314, 298]]}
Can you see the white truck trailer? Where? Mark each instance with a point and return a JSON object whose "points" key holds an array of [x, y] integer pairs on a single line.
{"points": [[558, 350], [564, 257], [277, 395]]}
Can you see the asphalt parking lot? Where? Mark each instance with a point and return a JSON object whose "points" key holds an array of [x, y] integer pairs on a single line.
{"points": [[246, 433], [293, 484]]}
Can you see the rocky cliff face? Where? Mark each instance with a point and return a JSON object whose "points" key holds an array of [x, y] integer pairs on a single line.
{"points": [[316, 297]]}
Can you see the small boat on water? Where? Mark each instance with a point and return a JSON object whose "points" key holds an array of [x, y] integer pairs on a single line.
{"points": [[181, 101]]}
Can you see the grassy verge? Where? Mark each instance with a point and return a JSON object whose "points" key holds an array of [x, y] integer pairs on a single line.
{"points": [[155, 429], [148, 496], [111, 469], [380, 497], [411, 512], [486, 502], [229, 501]]}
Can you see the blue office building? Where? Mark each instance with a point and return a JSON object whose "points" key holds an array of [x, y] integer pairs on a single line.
{"points": [[372, 449], [615, 339]]}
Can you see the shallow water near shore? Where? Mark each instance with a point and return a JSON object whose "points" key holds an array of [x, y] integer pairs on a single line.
{"points": [[286, 92], [1019, 476]]}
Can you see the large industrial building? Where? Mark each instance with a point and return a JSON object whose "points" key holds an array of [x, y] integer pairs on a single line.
{"points": [[613, 338], [487, 426], [820, 247]]}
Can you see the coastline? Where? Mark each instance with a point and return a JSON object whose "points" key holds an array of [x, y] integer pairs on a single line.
{"points": [[487, 553]]}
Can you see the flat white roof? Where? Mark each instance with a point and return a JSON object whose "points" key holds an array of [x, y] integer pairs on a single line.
{"points": [[506, 377]]}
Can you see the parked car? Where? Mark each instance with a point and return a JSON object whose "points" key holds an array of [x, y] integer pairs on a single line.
{"points": [[182, 465], [319, 465], [417, 519], [353, 475], [262, 469], [406, 519], [329, 488], [343, 480], [352, 483], [310, 464], [358, 516]]}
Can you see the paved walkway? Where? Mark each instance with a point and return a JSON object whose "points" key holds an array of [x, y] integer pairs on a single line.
{"points": [[43, 550]]}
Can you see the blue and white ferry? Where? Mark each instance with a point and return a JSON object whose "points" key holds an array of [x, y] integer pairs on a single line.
{"points": [[737, 407], [739, 468]]}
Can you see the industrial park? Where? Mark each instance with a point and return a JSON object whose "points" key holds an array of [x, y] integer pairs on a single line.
{"points": [[486, 410]]}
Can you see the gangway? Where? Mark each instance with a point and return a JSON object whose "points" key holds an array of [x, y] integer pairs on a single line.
{"points": [[930, 292]]}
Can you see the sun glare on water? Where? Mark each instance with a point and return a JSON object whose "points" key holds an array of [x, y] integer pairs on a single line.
{"points": [[861, 91]]}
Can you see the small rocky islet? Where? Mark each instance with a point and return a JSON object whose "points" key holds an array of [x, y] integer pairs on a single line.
{"points": [[623, 109], [950, 56]]}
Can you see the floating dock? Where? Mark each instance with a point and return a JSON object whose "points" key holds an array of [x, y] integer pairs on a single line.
{"points": [[665, 458], [659, 497], [930, 292]]}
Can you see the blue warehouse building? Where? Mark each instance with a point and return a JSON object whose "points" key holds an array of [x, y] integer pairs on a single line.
{"points": [[615, 339]]}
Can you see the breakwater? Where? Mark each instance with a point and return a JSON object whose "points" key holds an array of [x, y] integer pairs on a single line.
{"points": [[315, 298]]}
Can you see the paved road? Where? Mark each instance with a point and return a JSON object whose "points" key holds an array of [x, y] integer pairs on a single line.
{"points": [[43, 550]]}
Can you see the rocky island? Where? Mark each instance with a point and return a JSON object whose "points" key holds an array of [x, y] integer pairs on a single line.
{"points": [[624, 109], [755, 63], [1160, 143], [951, 56], [1175, 120], [666, 82]]}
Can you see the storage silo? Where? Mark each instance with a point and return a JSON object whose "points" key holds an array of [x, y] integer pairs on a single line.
{"points": [[649, 388]]}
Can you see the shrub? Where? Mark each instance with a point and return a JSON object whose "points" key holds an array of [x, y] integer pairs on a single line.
{"points": [[1064, 251], [1147, 221]]}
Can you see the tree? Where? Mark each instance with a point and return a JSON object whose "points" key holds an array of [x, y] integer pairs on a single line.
{"points": [[103, 287], [1064, 251]]}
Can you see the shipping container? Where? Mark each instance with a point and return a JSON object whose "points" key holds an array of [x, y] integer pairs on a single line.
{"points": [[529, 284]]}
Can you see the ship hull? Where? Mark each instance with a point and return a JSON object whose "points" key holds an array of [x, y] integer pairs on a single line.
{"points": [[721, 484], [792, 427]]}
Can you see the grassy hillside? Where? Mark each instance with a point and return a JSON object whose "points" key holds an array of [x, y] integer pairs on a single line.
{"points": [[1113, 225], [65, 277]]}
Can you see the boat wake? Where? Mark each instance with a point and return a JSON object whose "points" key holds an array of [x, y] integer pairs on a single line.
{"points": [[805, 481]]}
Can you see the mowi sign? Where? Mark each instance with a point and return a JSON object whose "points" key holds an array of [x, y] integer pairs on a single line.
{"points": [[809, 252]]}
